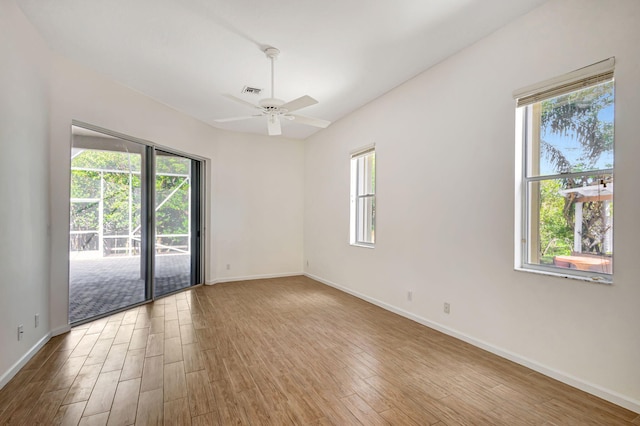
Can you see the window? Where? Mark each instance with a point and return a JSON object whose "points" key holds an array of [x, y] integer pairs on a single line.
{"points": [[363, 198], [566, 175]]}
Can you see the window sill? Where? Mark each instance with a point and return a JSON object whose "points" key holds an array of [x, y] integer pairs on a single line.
{"points": [[369, 246], [595, 279]]}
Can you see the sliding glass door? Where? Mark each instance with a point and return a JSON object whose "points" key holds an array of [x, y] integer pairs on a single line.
{"points": [[177, 234], [122, 251]]}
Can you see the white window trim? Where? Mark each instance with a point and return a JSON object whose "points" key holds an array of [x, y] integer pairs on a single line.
{"points": [[591, 71], [522, 134], [353, 213]]}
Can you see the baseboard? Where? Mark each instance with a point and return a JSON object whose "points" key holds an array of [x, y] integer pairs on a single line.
{"points": [[252, 277], [599, 391], [8, 375], [60, 330]]}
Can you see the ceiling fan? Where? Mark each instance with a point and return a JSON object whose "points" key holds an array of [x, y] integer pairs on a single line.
{"points": [[276, 109]]}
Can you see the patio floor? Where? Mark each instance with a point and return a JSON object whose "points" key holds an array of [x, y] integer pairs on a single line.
{"points": [[98, 286]]}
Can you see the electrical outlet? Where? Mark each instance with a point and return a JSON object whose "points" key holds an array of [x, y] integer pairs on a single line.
{"points": [[20, 332], [37, 320], [307, 263], [447, 308], [410, 295], [228, 266]]}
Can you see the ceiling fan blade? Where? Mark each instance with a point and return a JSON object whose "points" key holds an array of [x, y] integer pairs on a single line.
{"points": [[244, 117], [241, 101], [310, 121], [301, 102], [273, 125]]}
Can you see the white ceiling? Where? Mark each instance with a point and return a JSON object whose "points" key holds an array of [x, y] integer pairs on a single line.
{"points": [[188, 53]]}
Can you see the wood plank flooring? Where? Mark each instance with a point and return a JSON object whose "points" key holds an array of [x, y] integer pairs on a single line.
{"points": [[286, 351]]}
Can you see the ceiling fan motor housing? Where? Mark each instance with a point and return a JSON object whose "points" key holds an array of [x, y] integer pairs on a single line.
{"points": [[272, 104]]}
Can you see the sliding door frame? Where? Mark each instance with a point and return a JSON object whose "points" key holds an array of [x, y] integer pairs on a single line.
{"points": [[197, 212], [148, 243], [198, 198]]}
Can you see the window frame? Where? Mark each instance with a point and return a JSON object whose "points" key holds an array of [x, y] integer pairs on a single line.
{"points": [[356, 213], [590, 76]]}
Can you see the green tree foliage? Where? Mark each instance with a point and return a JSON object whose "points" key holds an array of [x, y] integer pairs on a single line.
{"points": [[117, 176], [172, 217], [577, 116], [172, 199], [108, 160], [556, 236]]}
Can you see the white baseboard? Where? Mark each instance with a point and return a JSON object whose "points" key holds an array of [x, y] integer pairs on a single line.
{"points": [[599, 391], [60, 330], [252, 277], [8, 375]]}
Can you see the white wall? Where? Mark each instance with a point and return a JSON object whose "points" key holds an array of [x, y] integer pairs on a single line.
{"points": [[254, 183], [259, 207], [445, 202], [24, 198]]}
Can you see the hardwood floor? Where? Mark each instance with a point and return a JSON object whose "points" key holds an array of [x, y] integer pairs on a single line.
{"points": [[285, 351]]}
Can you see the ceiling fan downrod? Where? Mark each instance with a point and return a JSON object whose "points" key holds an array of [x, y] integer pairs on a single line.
{"points": [[272, 53]]}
